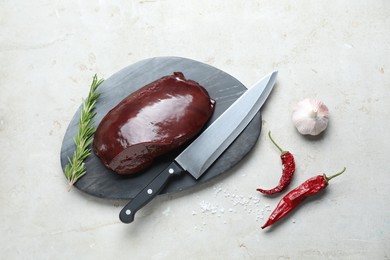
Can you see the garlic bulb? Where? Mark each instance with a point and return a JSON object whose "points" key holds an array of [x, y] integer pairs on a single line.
{"points": [[310, 117]]}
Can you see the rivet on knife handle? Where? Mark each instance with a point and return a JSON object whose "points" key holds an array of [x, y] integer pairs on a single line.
{"points": [[149, 192]]}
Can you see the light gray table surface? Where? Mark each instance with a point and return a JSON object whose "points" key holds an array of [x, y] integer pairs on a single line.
{"points": [[336, 51]]}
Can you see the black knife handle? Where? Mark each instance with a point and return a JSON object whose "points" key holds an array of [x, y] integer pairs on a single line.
{"points": [[149, 192]]}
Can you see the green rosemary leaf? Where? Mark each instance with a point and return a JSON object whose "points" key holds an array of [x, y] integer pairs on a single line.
{"points": [[75, 168]]}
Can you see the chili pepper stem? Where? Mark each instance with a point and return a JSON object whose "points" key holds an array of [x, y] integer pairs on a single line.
{"points": [[272, 140], [335, 175]]}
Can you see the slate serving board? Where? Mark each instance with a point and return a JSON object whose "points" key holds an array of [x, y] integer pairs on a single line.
{"points": [[225, 89]]}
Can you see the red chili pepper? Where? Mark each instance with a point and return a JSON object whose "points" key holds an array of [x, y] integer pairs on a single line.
{"points": [[288, 170], [292, 199]]}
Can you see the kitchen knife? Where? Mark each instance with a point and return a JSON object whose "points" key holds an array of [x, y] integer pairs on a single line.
{"points": [[205, 149]]}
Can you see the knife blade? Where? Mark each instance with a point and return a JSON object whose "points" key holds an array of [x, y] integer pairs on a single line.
{"points": [[205, 149]]}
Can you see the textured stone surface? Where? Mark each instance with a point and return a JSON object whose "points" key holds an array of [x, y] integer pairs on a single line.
{"points": [[223, 88], [336, 51]]}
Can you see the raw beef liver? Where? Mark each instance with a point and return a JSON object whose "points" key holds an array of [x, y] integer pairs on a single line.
{"points": [[150, 122]]}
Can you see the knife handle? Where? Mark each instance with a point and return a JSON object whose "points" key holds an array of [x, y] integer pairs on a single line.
{"points": [[149, 192]]}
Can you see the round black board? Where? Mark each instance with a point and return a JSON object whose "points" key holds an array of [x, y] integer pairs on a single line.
{"points": [[225, 89]]}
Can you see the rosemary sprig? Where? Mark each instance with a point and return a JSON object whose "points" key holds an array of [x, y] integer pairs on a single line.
{"points": [[75, 169]]}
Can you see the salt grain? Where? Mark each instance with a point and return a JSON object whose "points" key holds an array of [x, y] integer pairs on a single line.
{"points": [[249, 204], [166, 212]]}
